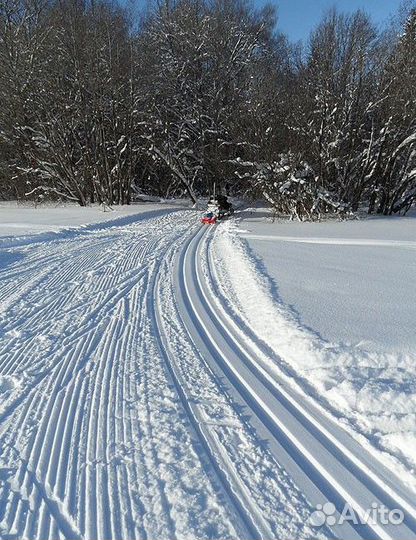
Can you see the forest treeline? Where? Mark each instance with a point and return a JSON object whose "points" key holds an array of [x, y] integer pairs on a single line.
{"points": [[99, 102]]}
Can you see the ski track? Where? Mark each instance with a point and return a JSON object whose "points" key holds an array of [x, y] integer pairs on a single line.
{"points": [[268, 502], [316, 451], [118, 416], [375, 476], [94, 441]]}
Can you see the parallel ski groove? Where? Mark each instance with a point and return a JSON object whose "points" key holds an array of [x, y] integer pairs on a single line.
{"points": [[243, 480], [83, 463], [95, 437], [194, 253], [356, 461], [245, 521]]}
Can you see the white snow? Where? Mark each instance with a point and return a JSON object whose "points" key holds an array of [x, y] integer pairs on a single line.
{"points": [[21, 219], [350, 281], [116, 420], [336, 302], [96, 441]]}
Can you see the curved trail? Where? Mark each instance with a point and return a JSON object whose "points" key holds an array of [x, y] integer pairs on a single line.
{"points": [[324, 460], [130, 408]]}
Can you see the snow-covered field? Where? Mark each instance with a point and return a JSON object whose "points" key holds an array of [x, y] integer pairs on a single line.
{"points": [[156, 383], [350, 281], [26, 219]]}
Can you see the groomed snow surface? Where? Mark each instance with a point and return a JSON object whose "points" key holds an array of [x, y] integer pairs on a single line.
{"points": [[163, 380]]}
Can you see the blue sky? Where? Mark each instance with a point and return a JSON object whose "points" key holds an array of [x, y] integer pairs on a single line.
{"points": [[298, 17]]}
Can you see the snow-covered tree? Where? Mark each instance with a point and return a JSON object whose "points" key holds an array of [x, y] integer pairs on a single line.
{"points": [[291, 187], [391, 154], [200, 76], [67, 89], [335, 89]]}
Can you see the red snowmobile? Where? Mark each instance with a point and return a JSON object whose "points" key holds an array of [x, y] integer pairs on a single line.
{"points": [[217, 209]]}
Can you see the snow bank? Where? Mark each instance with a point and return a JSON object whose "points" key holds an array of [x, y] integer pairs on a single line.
{"points": [[373, 392]]}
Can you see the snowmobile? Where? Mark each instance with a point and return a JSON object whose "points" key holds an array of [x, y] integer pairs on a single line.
{"points": [[218, 208]]}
